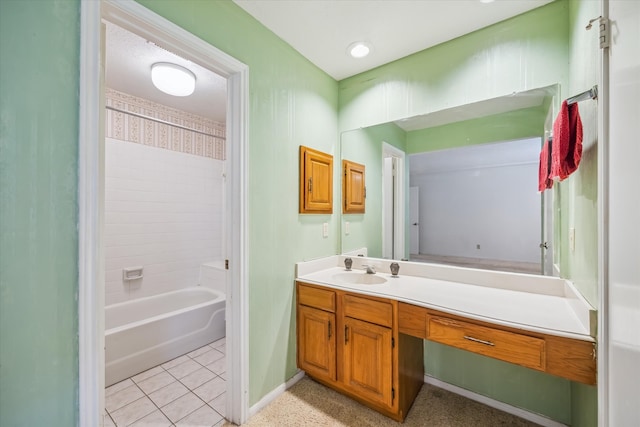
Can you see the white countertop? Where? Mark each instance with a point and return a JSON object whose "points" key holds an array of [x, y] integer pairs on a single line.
{"points": [[528, 302]]}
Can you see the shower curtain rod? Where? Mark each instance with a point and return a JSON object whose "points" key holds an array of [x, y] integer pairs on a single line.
{"points": [[589, 94], [164, 122]]}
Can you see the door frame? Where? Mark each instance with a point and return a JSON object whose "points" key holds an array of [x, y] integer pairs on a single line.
{"points": [[136, 18], [399, 230], [414, 200]]}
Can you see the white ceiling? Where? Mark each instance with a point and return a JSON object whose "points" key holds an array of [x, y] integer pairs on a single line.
{"points": [[321, 30], [128, 69], [523, 151]]}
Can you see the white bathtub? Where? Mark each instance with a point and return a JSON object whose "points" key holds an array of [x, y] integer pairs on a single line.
{"points": [[147, 332]]}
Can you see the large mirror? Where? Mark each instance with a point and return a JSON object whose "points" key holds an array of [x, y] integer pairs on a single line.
{"points": [[458, 186]]}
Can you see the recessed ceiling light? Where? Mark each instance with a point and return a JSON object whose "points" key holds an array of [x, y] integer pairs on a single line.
{"points": [[173, 79], [359, 49], [486, 1]]}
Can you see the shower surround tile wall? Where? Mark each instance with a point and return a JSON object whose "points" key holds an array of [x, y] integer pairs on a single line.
{"points": [[163, 211], [163, 197]]}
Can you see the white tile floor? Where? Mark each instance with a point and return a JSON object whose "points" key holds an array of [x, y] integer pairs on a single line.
{"points": [[187, 391]]}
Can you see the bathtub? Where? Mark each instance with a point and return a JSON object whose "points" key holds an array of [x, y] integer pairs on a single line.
{"points": [[147, 332]]}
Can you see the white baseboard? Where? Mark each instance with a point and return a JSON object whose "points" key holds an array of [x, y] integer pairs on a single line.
{"points": [[273, 394], [504, 407]]}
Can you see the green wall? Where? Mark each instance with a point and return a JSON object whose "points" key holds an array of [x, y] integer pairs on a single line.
{"points": [[364, 146], [291, 103], [534, 391], [39, 44], [518, 124], [580, 190], [526, 52]]}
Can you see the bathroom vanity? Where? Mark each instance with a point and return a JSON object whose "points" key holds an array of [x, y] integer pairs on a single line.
{"points": [[352, 343], [362, 334]]}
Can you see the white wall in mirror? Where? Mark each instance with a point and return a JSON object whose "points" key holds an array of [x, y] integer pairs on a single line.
{"points": [[480, 201]]}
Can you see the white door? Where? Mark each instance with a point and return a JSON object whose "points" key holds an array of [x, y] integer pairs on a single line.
{"points": [[548, 209], [546, 246], [387, 207], [623, 380], [414, 215]]}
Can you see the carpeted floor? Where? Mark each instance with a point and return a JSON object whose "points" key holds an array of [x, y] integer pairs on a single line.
{"points": [[308, 403], [481, 263]]}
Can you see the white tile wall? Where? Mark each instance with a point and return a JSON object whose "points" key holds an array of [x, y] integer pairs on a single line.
{"points": [[163, 211]]}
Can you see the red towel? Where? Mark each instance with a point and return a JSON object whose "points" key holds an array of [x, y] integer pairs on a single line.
{"points": [[544, 180], [566, 151]]}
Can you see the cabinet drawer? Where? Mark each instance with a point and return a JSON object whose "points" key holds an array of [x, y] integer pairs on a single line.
{"points": [[508, 346], [378, 312], [316, 297], [412, 320]]}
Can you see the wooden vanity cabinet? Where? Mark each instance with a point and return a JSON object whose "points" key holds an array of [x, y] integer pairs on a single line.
{"points": [[317, 332], [365, 357], [368, 348], [368, 360], [317, 342], [565, 357]]}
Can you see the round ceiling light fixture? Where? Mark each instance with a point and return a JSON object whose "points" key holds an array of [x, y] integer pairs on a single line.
{"points": [[359, 49], [173, 79]]}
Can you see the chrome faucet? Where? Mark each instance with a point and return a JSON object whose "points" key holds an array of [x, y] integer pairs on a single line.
{"points": [[371, 269]]}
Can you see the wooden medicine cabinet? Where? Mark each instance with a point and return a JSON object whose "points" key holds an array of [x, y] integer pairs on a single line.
{"points": [[316, 181], [354, 191]]}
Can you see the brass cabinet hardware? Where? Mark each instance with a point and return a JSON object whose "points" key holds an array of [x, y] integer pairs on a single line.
{"points": [[479, 341]]}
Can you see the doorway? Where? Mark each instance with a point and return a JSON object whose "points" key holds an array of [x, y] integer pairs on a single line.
{"points": [[414, 218], [393, 202], [135, 18]]}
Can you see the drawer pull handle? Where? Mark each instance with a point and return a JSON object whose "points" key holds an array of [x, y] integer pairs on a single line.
{"points": [[466, 337]]}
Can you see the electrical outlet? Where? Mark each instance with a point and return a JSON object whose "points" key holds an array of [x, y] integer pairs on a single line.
{"points": [[347, 227], [572, 239], [325, 229], [478, 246]]}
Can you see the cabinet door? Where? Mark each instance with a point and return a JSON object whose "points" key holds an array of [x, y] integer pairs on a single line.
{"points": [[367, 360], [354, 191], [316, 181], [317, 342]]}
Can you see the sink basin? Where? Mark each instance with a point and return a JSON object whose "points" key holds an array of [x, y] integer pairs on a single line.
{"points": [[356, 278]]}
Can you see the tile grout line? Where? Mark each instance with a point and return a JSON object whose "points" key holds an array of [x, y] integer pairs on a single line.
{"points": [[215, 376], [178, 380]]}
